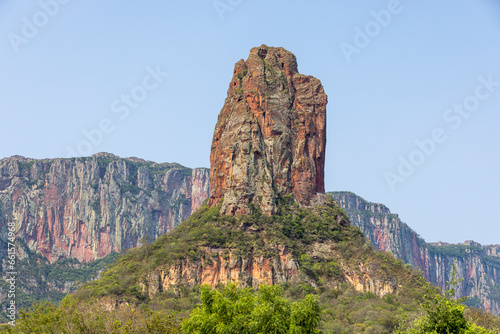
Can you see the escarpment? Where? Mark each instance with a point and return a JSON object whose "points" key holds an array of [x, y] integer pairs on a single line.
{"points": [[86, 208], [478, 266]]}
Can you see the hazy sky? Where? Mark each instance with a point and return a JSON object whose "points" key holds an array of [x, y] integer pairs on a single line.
{"points": [[413, 88]]}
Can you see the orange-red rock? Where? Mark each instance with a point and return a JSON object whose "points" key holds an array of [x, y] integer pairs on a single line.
{"points": [[270, 136]]}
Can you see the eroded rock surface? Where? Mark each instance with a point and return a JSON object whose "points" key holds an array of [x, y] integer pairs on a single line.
{"points": [[270, 136]]}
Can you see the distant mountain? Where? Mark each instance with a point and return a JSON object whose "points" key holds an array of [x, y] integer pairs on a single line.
{"points": [[478, 265], [85, 209]]}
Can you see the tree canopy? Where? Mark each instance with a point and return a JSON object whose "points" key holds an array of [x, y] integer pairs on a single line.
{"points": [[240, 310]]}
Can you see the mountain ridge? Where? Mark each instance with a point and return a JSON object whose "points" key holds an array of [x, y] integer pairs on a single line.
{"points": [[477, 265]]}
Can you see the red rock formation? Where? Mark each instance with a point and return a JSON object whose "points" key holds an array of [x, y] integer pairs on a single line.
{"points": [[270, 136], [223, 268]]}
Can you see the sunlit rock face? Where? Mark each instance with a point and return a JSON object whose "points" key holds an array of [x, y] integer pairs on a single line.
{"points": [[270, 136]]}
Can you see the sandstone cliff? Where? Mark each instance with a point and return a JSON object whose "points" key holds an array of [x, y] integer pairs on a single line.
{"points": [[86, 208], [270, 135], [477, 265], [69, 211]]}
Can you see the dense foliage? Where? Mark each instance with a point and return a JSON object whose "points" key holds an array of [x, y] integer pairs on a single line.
{"points": [[82, 318], [40, 280], [242, 311], [269, 310]]}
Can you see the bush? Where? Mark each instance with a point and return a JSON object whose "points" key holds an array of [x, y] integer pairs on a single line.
{"points": [[73, 317], [444, 315]]}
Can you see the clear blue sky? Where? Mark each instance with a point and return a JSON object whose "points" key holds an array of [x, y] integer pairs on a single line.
{"points": [[67, 69]]}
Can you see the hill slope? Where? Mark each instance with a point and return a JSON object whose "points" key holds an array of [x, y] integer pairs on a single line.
{"points": [[305, 250]]}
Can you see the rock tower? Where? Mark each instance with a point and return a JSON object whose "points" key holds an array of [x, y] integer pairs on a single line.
{"points": [[270, 136]]}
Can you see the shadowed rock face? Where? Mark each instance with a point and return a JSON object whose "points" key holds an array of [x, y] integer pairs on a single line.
{"points": [[270, 136]]}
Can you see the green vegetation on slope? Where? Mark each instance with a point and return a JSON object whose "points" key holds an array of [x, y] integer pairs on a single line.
{"points": [[458, 251], [243, 310], [301, 231], [38, 278], [79, 318], [295, 228], [445, 315]]}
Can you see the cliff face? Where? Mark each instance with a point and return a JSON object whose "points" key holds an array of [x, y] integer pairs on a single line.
{"points": [[384, 229], [224, 266], [477, 265], [69, 211], [86, 208], [270, 136]]}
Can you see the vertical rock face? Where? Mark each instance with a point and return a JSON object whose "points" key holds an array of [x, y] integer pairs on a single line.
{"points": [[86, 208], [477, 265], [223, 268], [385, 230], [270, 136]]}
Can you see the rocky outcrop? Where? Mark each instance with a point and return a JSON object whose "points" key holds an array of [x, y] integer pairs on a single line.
{"points": [[86, 208], [270, 136], [361, 276], [477, 265], [223, 266], [269, 142]]}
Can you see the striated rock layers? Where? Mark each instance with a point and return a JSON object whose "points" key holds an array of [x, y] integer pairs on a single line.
{"points": [[86, 208], [270, 136], [225, 266], [477, 265]]}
